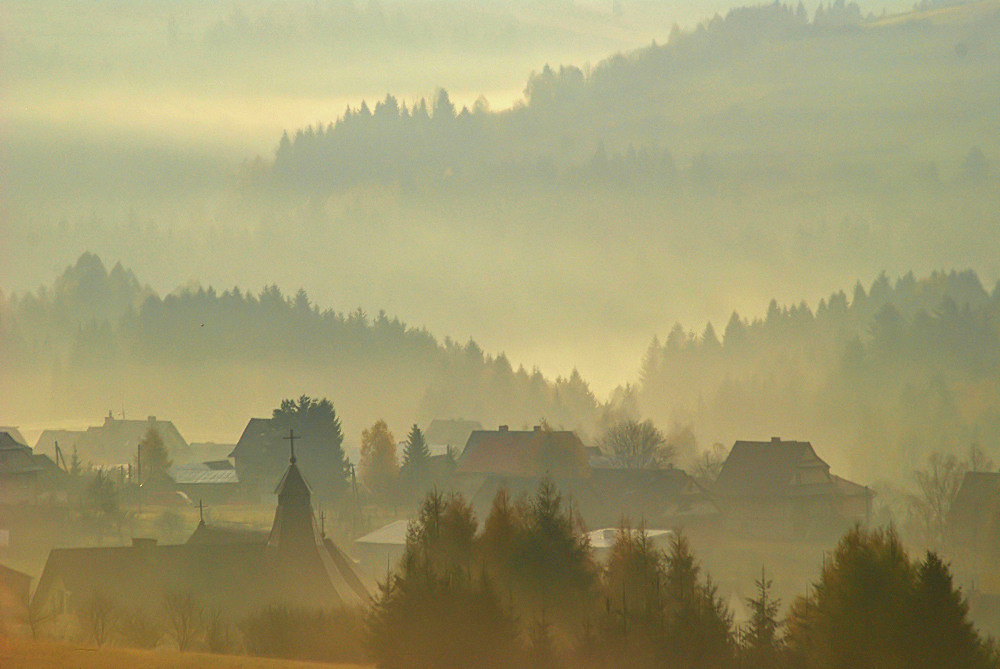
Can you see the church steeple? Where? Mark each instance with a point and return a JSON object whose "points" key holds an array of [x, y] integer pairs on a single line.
{"points": [[294, 524]]}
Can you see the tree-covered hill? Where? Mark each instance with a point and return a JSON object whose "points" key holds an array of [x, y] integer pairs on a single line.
{"points": [[209, 360], [765, 89], [876, 379]]}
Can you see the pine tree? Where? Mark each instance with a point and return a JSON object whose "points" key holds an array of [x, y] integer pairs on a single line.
{"points": [[415, 471], [761, 645]]}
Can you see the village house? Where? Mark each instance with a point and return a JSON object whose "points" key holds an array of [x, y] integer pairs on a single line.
{"points": [[28, 477], [113, 443], [238, 572], [782, 489], [517, 460], [260, 454], [523, 453]]}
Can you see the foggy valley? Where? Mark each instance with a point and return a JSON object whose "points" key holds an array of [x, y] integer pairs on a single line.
{"points": [[500, 334]]}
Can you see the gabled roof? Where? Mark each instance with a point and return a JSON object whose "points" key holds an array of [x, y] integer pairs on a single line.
{"points": [[65, 438], [115, 441], [217, 534], [523, 453], [14, 433], [768, 467], [256, 437], [9, 444], [240, 572], [16, 459], [779, 468]]}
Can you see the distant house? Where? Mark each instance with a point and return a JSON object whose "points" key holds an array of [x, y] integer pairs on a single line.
{"points": [[381, 549], [974, 518], [444, 434], [66, 439], [664, 498], [523, 453], [262, 449], [115, 442], [26, 477], [783, 489], [14, 433], [237, 572]]}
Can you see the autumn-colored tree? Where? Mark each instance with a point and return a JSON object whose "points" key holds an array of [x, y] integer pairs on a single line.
{"points": [[379, 465]]}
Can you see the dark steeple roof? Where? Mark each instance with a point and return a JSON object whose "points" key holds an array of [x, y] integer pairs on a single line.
{"points": [[238, 571], [292, 486]]}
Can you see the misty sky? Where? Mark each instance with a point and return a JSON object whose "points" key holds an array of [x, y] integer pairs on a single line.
{"points": [[92, 89]]}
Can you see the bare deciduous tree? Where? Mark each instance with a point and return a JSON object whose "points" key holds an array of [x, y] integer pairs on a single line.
{"points": [[183, 616], [97, 616], [937, 486], [636, 445], [709, 463]]}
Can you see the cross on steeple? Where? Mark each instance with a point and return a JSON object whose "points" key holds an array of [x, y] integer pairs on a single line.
{"points": [[291, 443]]}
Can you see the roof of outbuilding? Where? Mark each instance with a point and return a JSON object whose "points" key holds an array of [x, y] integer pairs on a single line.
{"points": [[201, 473], [393, 534]]}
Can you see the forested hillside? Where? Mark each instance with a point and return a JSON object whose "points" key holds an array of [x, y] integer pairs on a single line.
{"points": [[877, 379], [98, 340]]}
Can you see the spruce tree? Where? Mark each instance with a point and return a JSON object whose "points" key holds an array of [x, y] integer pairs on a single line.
{"points": [[761, 645], [415, 471]]}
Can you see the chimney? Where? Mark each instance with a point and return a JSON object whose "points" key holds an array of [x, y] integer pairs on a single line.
{"points": [[775, 440], [504, 428]]}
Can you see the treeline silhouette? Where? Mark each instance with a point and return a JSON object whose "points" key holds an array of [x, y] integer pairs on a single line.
{"points": [[99, 329], [526, 589], [625, 117], [889, 374]]}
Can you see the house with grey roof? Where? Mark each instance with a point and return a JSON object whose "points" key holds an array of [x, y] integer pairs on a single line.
{"points": [[783, 489]]}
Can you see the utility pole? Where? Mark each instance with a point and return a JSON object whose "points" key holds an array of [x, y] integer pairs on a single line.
{"points": [[138, 478]]}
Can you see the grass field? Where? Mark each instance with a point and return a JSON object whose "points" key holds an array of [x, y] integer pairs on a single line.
{"points": [[24, 654]]}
